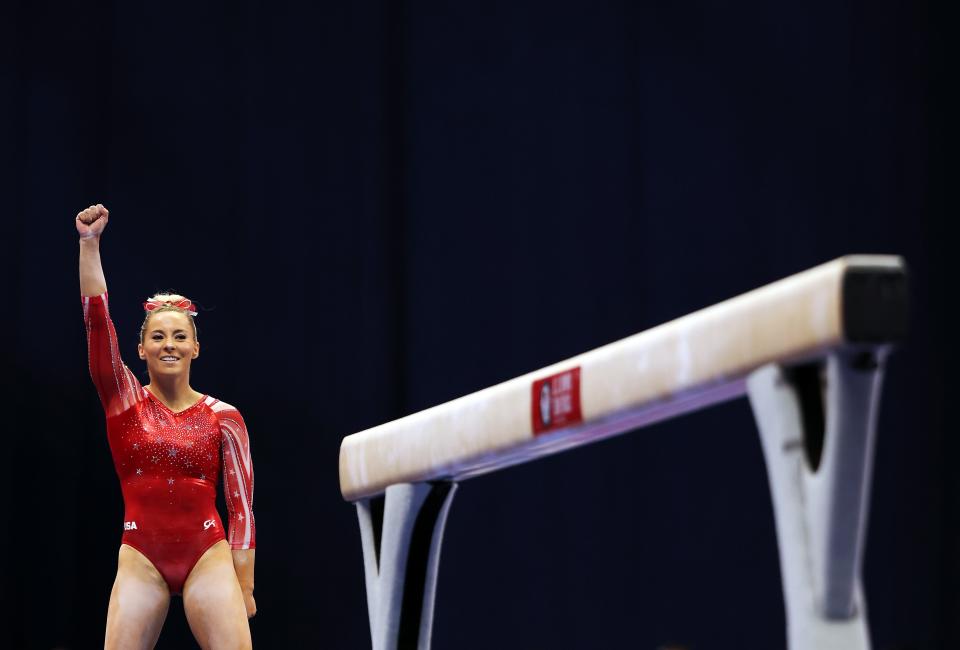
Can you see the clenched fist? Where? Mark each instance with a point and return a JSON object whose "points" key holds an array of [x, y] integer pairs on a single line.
{"points": [[92, 221]]}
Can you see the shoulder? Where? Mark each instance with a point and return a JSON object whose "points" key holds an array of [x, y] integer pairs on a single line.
{"points": [[221, 408], [229, 420]]}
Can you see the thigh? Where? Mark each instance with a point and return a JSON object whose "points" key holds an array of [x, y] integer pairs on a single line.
{"points": [[138, 603], [213, 602]]}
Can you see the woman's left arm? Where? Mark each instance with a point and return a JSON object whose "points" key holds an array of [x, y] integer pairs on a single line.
{"points": [[243, 560], [238, 493]]}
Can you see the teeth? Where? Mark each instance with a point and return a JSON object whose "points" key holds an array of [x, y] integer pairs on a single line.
{"points": [[168, 358]]}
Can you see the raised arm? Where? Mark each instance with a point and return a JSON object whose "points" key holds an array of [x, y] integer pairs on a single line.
{"points": [[117, 386], [90, 225]]}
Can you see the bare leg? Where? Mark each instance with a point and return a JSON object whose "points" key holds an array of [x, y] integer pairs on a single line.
{"points": [[213, 602], [138, 603]]}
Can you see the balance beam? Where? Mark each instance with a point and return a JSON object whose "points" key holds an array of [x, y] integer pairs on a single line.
{"points": [[832, 324]]}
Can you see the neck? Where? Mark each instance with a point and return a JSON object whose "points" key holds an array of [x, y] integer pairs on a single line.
{"points": [[173, 391]]}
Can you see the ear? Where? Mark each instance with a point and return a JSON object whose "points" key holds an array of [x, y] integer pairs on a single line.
{"points": [[140, 353], [196, 349]]}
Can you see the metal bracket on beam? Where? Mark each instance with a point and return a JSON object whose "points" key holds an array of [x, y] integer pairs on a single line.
{"points": [[401, 533], [817, 426]]}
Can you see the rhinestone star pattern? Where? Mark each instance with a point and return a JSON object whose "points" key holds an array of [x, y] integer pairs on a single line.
{"points": [[165, 444]]}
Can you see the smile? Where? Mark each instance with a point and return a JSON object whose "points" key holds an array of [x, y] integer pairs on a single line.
{"points": [[169, 359]]}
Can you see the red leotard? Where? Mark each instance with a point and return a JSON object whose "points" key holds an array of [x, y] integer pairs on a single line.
{"points": [[168, 462]]}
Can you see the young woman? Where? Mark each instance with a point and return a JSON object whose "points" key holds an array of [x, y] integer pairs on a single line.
{"points": [[168, 443]]}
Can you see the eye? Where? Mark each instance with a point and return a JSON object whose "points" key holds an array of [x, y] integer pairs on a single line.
{"points": [[181, 337], [157, 337]]}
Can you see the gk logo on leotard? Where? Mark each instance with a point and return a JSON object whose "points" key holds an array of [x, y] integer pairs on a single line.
{"points": [[209, 523], [130, 525]]}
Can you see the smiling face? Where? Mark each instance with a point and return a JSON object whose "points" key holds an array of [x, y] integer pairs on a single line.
{"points": [[169, 344]]}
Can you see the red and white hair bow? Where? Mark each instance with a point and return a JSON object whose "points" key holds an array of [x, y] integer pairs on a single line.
{"points": [[183, 304]]}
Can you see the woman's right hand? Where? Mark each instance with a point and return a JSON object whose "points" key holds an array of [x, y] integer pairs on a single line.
{"points": [[92, 221]]}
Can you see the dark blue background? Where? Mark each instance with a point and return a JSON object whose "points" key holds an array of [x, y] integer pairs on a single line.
{"points": [[385, 205]]}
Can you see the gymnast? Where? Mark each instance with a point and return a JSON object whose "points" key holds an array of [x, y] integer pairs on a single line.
{"points": [[168, 443]]}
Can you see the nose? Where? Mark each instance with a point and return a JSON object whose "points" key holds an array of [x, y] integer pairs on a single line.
{"points": [[168, 345]]}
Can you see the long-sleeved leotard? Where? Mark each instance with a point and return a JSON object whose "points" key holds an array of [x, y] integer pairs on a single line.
{"points": [[168, 462]]}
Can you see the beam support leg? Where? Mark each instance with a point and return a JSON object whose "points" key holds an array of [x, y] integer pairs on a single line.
{"points": [[817, 427], [401, 533]]}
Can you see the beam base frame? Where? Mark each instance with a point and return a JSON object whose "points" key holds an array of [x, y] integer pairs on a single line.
{"points": [[820, 488], [401, 532]]}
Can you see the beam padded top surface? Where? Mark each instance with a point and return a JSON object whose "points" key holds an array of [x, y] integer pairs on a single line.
{"points": [[677, 367]]}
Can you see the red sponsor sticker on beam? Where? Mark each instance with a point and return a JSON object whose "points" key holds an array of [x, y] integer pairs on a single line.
{"points": [[555, 401]]}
